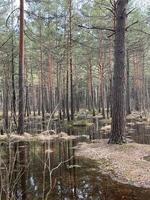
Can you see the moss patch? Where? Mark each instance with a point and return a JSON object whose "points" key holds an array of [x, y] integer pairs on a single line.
{"points": [[82, 123]]}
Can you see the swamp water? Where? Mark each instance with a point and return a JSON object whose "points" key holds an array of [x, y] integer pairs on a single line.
{"points": [[48, 170]]}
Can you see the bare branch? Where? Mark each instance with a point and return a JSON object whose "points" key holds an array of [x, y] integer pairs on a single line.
{"points": [[111, 35], [111, 10], [10, 16], [131, 25], [139, 30], [6, 41], [96, 28], [113, 4], [130, 11]]}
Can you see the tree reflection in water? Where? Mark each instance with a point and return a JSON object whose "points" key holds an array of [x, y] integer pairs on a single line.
{"points": [[49, 171]]}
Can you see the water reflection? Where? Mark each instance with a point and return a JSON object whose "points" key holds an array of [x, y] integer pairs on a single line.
{"points": [[50, 171], [13, 170], [141, 133]]}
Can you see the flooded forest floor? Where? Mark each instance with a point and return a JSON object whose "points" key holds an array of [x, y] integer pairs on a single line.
{"points": [[73, 161]]}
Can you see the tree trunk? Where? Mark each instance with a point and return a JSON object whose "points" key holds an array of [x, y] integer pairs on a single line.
{"points": [[67, 97], [21, 71], [101, 75], [13, 84], [118, 112], [5, 100], [128, 110], [102, 90], [34, 93], [143, 84], [63, 98], [42, 77], [70, 61], [39, 98], [91, 91], [27, 103]]}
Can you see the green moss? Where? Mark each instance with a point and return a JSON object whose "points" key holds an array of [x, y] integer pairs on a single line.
{"points": [[82, 123], [105, 121]]}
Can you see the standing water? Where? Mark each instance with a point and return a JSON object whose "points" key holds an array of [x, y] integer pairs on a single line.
{"points": [[49, 170]]}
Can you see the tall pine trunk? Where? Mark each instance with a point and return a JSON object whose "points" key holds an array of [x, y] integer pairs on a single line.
{"points": [[118, 110], [21, 71], [13, 70], [6, 99], [128, 110], [70, 61]]}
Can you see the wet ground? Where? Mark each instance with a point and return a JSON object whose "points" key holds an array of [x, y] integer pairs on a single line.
{"points": [[49, 170]]}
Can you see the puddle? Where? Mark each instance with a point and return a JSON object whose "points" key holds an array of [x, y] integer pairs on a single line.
{"points": [[147, 158]]}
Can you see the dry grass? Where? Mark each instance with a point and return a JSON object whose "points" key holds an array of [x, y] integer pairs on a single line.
{"points": [[106, 128], [138, 116], [124, 163], [16, 137], [65, 136], [82, 123], [48, 151], [46, 135]]}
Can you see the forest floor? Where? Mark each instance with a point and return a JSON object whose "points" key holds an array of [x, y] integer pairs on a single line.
{"points": [[125, 163], [43, 136]]}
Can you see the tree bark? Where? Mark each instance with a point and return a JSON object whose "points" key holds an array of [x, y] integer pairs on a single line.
{"points": [[118, 112], [67, 97], [21, 71], [70, 61], [6, 99], [128, 110], [13, 70], [91, 91]]}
